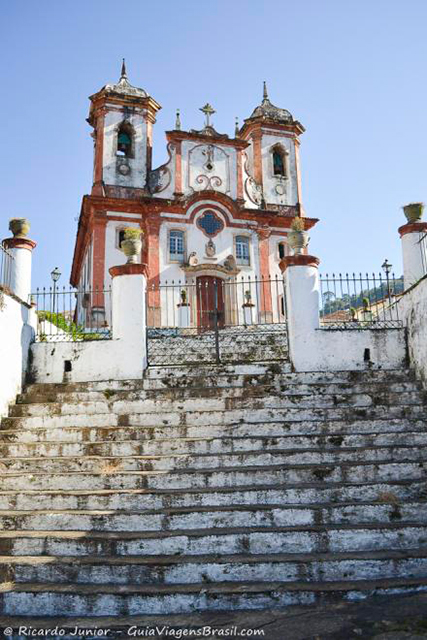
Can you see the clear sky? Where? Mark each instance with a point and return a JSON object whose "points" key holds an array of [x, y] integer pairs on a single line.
{"points": [[352, 72]]}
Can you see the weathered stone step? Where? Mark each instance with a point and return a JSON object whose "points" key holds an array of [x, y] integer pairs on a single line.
{"points": [[309, 539], [390, 492], [107, 600], [215, 517], [162, 406], [211, 568], [206, 445], [274, 388], [231, 476], [272, 429], [191, 461], [212, 418]]}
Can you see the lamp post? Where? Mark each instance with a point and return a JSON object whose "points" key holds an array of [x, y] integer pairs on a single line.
{"points": [[386, 267], [55, 275]]}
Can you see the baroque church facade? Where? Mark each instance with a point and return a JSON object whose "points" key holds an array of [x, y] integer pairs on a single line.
{"points": [[219, 208]]}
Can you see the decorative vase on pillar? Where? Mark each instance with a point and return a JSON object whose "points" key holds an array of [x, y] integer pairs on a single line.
{"points": [[298, 238], [19, 227], [414, 211], [132, 244]]}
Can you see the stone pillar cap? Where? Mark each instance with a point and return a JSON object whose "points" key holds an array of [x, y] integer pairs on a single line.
{"points": [[412, 227], [128, 270], [302, 260], [19, 243]]}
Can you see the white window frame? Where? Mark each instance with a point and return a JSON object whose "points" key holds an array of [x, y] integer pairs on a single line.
{"points": [[239, 260], [184, 245]]}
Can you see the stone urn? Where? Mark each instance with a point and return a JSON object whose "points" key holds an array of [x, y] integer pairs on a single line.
{"points": [[298, 240], [413, 211], [132, 245], [19, 227]]}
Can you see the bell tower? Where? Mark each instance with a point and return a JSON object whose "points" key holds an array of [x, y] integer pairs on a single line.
{"points": [[122, 117]]}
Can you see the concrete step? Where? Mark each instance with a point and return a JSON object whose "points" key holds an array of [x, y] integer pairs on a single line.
{"points": [[191, 461], [239, 476], [390, 492], [214, 517], [13, 432], [114, 600], [274, 388], [162, 406], [335, 538], [163, 570], [199, 446], [211, 417]]}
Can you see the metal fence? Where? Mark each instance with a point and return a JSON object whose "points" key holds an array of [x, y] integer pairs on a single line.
{"points": [[72, 315], [6, 262], [211, 319], [357, 301]]}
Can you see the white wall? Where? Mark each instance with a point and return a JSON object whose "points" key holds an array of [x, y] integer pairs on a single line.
{"points": [[17, 321], [413, 311], [195, 175], [138, 163], [271, 183]]}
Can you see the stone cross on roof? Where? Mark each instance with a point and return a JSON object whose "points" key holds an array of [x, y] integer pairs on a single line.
{"points": [[208, 110]]}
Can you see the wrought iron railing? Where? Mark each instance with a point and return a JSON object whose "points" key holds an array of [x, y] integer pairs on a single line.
{"points": [[210, 319], [358, 301], [72, 315], [204, 301], [6, 263]]}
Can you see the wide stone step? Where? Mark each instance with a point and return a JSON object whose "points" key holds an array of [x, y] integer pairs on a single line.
{"points": [[251, 389], [113, 600], [14, 433], [168, 446], [111, 478], [215, 517], [174, 461], [210, 569], [393, 492], [162, 406], [309, 539], [212, 418]]}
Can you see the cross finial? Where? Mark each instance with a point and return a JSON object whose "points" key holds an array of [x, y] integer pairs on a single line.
{"points": [[178, 121], [265, 93], [123, 75], [208, 110]]}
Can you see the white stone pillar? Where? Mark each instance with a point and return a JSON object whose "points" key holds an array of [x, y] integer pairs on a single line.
{"points": [[414, 252], [301, 278], [20, 272], [184, 317], [129, 316]]}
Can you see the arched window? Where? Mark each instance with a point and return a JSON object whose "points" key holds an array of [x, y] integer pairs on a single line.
{"points": [[282, 250], [124, 141], [176, 246], [279, 162], [242, 250]]}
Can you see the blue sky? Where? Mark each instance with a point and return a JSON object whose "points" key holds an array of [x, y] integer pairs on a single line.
{"points": [[353, 72]]}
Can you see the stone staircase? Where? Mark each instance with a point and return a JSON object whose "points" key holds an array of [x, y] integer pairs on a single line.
{"points": [[212, 488]]}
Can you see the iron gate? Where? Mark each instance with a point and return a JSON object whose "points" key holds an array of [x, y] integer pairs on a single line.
{"points": [[215, 320]]}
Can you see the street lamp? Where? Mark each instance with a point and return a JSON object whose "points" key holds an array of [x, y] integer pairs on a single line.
{"points": [[55, 275], [386, 267]]}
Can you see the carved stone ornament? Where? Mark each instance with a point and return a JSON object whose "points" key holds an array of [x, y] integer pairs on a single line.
{"points": [[123, 168], [280, 189], [253, 189], [160, 178], [192, 259], [230, 263], [210, 249]]}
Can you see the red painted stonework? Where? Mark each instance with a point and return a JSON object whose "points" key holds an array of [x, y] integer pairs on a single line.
{"points": [[412, 227], [128, 270], [19, 243], [298, 261]]}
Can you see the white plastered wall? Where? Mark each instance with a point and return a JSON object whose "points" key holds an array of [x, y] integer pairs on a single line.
{"points": [[271, 183], [196, 177], [137, 163]]}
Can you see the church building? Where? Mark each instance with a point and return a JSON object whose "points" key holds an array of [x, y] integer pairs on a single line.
{"points": [[220, 208]]}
